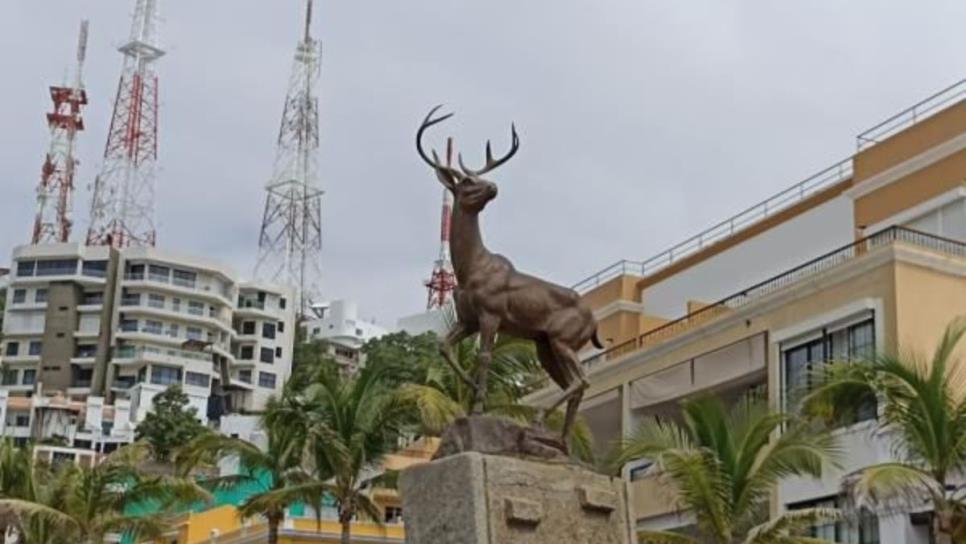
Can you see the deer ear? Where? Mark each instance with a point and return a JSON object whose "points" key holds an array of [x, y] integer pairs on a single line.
{"points": [[447, 178]]}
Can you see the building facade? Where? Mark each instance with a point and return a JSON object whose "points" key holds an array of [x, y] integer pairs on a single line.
{"points": [[867, 256], [92, 334], [339, 325]]}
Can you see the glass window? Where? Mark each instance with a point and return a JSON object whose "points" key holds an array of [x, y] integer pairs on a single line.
{"points": [[9, 376], [40, 296], [80, 376], [159, 273], [95, 269], [245, 376], [96, 297], [131, 299], [193, 333], [281, 303], [19, 296], [185, 278], [29, 376], [267, 355], [85, 351], [165, 375], [135, 272], [153, 327], [57, 267], [13, 349], [280, 327], [860, 529], [25, 268], [278, 353], [176, 304], [129, 325], [268, 330], [266, 380], [246, 353], [248, 327], [197, 379], [35, 347], [196, 308], [155, 301], [173, 330]]}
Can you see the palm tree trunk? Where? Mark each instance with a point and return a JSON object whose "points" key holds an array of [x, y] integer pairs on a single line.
{"points": [[942, 527], [346, 532], [273, 523]]}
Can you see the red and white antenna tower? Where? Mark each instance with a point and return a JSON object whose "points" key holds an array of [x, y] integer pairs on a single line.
{"points": [[55, 193], [290, 240], [122, 208], [443, 281]]}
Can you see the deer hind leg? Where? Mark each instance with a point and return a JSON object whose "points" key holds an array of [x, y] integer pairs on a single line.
{"points": [[489, 325], [574, 393], [459, 333], [554, 369]]}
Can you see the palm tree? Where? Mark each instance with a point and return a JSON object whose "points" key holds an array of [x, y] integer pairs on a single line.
{"points": [[923, 408], [352, 422], [278, 466], [440, 395], [724, 465], [86, 504]]}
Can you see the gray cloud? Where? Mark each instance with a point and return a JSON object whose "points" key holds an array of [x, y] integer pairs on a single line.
{"points": [[642, 122]]}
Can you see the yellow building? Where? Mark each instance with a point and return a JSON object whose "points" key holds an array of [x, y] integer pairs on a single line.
{"points": [[869, 254]]}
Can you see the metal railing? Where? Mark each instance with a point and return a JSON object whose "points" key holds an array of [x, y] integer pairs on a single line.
{"points": [[811, 185], [754, 293], [912, 115]]}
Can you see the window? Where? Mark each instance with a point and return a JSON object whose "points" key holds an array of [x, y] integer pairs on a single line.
{"points": [[803, 363], [278, 353], [29, 376], [247, 353], [21, 420], [248, 327], [85, 351], [19, 296], [153, 327], [281, 303], [359, 332], [57, 267], [316, 331], [34, 348], [268, 330], [173, 330], [280, 327], [165, 375], [9, 376], [185, 278], [196, 308], [863, 530], [196, 379], [80, 377], [13, 349], [40, 296], [135, 272], [193, 333], [393, 514], [129, 325], [176, 304], [155, 301], [95, 269], [266, 380], [245, 376], [25, 268], [159, 273], [267, 355], [92, 298], [131, 299]]}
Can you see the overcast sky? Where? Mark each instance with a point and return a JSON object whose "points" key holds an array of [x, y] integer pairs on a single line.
{"points": [[642, 122]]}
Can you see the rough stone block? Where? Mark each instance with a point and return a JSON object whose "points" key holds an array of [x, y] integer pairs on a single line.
{"points": [[472, 498]]}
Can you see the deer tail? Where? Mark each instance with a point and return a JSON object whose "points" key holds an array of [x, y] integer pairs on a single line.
{"points": [[596, 340]]}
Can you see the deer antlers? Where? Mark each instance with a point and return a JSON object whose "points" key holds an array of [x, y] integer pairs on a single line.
{"points": [[491, 163]]}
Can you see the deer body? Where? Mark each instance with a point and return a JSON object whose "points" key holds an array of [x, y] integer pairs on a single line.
{"points": [[492, 297]]}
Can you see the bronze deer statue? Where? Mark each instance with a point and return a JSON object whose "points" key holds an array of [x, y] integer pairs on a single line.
{"points": [[492, 297]]}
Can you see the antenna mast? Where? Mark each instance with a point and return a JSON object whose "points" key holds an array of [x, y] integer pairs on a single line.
{"points": [[290, 241], [55, 193], [122, 207], [442, 282]]}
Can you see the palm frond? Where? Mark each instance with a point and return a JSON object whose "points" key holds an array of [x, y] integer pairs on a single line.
{"points": [[664, 537], [784, 527], [878, 485]]}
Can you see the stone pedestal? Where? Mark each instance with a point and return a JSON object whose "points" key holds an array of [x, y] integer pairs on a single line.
{"points": [[472, 498]]}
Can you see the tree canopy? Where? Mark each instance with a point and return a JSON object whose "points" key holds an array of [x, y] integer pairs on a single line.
{"points": [[170, 424]]}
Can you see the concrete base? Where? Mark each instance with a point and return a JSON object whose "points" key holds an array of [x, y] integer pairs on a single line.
{"points": [[472, 498]]}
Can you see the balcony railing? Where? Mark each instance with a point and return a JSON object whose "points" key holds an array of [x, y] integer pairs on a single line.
{"points": [[912, 115], [811, 185], [178, 282], [754, 293], [139, 352]]}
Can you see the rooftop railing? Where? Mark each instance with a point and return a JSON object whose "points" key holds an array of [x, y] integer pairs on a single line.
{"points": [[811, 185], [756, 292], [912, 115]]}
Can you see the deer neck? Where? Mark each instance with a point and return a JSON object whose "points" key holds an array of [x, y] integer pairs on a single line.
{"points": [[466, 243]]}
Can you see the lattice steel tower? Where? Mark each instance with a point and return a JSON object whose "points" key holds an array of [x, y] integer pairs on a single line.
{"points": [[122, 208], [55, 193], [290, 242], [442, 282]]}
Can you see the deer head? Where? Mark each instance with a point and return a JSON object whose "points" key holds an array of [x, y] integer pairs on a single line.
{"points": [[471, 192]]}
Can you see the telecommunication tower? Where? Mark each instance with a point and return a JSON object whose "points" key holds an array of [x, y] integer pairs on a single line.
{"points": [[122, 207], [442, 282], [290, 241], [55, 193]]}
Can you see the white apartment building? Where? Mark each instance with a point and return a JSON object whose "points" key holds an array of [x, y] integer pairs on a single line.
{"points": [[339, 324], [92, 334]]}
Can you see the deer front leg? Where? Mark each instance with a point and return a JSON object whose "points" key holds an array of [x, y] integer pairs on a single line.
{"points": [[489, 325], [459, 333]]}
